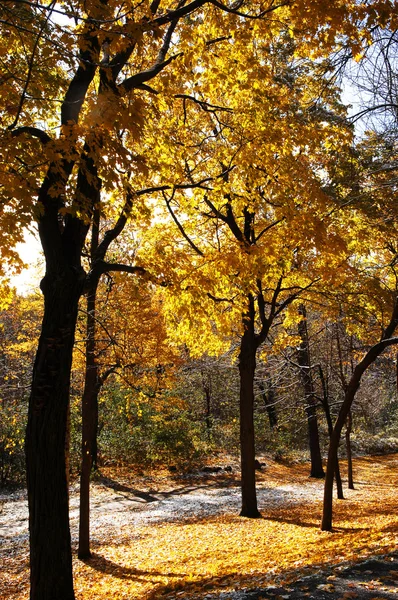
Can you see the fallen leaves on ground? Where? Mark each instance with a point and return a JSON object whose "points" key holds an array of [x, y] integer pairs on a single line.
{"points": [[191, 559]]}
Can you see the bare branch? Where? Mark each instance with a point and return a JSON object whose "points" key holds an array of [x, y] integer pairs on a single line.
{"points": [[216, 299], [161, 62], [113, 233], [105, 267], [34, 132], [234, 9], [139, 78], [183, 11], [180, 227], [267, 228], [206, 106]]}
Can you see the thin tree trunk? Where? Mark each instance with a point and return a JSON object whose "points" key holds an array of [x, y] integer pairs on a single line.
{"points": [[326, 408], [207, 390], [89, 421], [310, 402], [349, 453], [50, 550], [351, 390], [247, 367], [269, 403]]}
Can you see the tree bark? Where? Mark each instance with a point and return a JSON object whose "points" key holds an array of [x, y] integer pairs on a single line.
{"points": [[310, 402], [50, 551], [351, 390], [349, 453], [269, 402], [89, 425], [326, 408], [247, 367], [206, 383]]}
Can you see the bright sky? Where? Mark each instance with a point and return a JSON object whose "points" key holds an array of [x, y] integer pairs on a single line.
{"points": [[30, 252]]}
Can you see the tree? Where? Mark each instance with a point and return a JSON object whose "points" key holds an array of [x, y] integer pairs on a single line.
{"points": [[253, 253], [94, 380], [59, 182], [310, 401], [135, 348], [352, 387], [90, 81]]}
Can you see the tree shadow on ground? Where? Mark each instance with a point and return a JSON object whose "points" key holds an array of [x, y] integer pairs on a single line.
{"points": [[315, 524], [206, 483], [365, 580], [104, 565]]}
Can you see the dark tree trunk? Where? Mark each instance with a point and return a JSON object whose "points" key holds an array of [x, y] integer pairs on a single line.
{"points": [[337, 474], [247, 367], [89, 425], [206, 382], [349, 453], [94, 439], [339, 483], [328, 491], [50, 551], [351, 390], [269, 402], [62, 240], [326, 408], [310, 402]]}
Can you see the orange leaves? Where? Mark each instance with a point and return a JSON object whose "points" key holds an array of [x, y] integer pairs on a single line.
{"points": [[195, 557]]}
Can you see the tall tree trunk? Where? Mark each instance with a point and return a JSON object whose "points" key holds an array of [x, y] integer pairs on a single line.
{"points": [[310, 402], [247, 367], [50, 551], [94, 439], [352, 387], [349, 453], [269, 402], [89, 424], [326, 408], [206, 383]]}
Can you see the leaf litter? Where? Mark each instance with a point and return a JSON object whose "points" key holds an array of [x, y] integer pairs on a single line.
{"points": [[180, 537]]}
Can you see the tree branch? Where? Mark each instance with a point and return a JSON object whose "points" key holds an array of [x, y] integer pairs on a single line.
{"points": [[234, 9], [391, 327], [113, 233], [105, 267], [34, 132], [183, 11], [206, 106], [140, 78], [267, 228], [180, 227], [88, 62], [161, 62]]}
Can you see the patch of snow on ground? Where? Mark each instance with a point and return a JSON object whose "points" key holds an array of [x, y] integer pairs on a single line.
{"points": [[132, 509]]}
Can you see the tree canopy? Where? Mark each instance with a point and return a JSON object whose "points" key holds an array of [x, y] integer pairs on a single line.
{"points": [[226, 116]]}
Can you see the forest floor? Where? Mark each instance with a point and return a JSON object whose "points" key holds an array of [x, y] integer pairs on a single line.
{"points": [[173, 537]]}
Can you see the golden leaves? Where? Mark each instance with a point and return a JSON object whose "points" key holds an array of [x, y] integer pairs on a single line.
{"points": [[196, 557], [202, 556]]}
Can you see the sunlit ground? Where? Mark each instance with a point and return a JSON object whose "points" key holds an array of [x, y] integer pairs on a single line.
{"points": [[192, 559]]}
